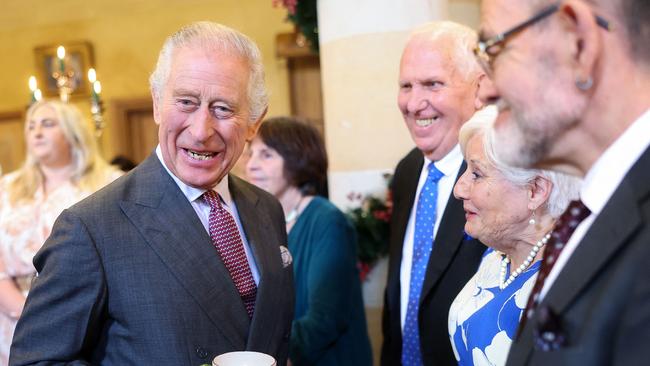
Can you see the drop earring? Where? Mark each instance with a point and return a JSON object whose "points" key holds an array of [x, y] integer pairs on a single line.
{"points": [[532, 219]]}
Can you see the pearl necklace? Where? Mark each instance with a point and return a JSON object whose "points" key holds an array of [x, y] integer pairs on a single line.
{"points": [[503, 283]]}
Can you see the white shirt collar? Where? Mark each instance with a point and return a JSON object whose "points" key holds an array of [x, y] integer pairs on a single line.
{"points": [[192, 193], [611, 167], [449, 163]]}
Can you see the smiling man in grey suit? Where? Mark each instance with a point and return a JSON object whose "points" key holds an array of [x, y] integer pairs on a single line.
{"points": [[178, 261], [572, 83]]}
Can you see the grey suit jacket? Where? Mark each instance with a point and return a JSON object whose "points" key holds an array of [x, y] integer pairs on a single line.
{"points": [[129, 276], [600, 302]]}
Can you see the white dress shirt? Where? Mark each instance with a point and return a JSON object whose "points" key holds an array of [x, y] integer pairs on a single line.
{"points": [[202, 209], [449, 166], [600, 183]]}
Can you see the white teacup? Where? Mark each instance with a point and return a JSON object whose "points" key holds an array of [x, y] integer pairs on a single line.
{"points": [[244, 358]]}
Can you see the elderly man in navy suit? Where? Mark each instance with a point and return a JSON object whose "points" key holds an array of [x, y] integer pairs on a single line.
{"points": [[177, 261], [430, 258], [572, 83]]}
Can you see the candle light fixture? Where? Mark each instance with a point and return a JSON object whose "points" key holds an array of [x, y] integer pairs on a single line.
{"points": [[96, 107], [63, 74], [33, 87]]}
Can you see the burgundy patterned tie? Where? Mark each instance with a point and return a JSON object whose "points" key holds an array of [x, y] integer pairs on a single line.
{"points": [[564, 228], [225, 237]]}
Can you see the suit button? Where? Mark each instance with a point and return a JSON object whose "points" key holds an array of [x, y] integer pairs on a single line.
{"points": [[201, 352]]}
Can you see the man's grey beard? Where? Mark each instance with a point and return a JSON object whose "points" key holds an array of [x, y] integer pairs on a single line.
{"points": [[519, 145]]}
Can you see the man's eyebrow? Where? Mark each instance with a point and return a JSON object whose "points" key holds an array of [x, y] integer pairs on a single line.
{"points": [[178, 92]]}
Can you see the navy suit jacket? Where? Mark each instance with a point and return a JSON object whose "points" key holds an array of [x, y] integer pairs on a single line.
{"points": [[129, 276], [600, 301], [453, 261]]}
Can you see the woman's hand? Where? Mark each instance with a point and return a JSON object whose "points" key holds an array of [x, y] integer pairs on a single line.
{"points": [[12, 300]]}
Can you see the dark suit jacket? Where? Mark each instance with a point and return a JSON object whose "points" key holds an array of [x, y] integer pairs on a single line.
{"points": [[601, 298], [454, 260], [129, 276]]}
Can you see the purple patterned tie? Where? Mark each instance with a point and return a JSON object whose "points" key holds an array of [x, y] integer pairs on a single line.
{"points": [[225, 237], [564, 228]]}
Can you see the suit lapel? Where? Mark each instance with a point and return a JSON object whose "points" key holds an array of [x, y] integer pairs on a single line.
{"points": [[402, 211], [171, 227], [615, 226], [447, 241], [610, 231], [522, 347], [256, 224]]}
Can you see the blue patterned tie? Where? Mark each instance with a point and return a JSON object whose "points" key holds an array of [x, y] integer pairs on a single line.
{"points": [[425, 220]]}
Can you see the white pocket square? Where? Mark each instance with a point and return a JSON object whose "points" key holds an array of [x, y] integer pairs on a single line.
{"points": [[286, 256]]}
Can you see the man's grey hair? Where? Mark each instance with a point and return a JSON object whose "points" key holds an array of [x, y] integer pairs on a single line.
{"points": [[213, 36], [463, 40], [636, 14], [565, 187]]}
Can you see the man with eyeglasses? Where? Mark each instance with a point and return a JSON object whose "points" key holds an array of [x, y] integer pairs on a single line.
{"points": [[430, 258], [572, 83]]}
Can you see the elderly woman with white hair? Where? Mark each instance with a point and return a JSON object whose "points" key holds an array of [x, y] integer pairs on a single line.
{"points": [[512, 211]]}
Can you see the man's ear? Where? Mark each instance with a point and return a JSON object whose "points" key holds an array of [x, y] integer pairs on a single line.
{"points": [[583, 32], [156, 108], [482, 79], [539, 191], [253, 127]]}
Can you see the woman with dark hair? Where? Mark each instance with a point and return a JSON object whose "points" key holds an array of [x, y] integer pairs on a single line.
{"points": [[288, 159]]}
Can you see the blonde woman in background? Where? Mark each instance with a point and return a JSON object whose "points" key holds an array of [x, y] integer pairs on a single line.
{"points": [[62, 167]]}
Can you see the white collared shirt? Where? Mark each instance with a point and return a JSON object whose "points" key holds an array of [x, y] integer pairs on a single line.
{"points": [[449, 166], [202, 209], [600, 183]]}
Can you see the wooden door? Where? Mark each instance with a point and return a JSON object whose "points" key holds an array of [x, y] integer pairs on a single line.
{"points": [[305, 89], [135, 129], [304, 78], [12, 141], [143, 134]]}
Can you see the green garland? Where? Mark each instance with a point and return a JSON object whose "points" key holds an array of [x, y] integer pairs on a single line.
{"points": [[304, 14], [306, 19], [371, 222]]}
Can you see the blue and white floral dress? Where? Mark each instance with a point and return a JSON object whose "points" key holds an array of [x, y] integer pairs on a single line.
{"points": [[483, 318]]}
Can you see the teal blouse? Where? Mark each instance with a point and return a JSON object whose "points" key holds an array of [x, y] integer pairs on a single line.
{"points": [[329, 326]]}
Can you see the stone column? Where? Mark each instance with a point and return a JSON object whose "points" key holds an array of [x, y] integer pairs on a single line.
{"points": [[361, 43]]}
